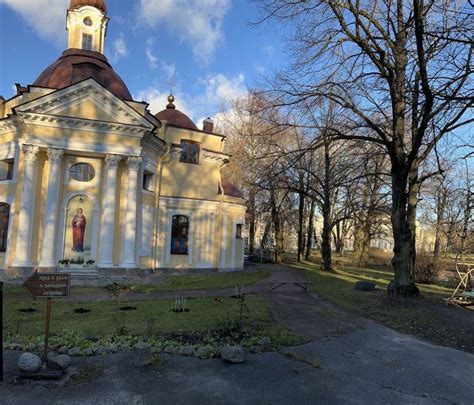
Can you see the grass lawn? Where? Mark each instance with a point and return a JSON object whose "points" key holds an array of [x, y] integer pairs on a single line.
{"points": [[428, 317], [209, 321], [203, 281]]}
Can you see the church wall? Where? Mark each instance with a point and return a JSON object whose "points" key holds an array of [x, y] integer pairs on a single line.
{"points": [[190, 180]]}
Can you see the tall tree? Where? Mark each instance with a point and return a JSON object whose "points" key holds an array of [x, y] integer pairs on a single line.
{"points": [[401, 70]]}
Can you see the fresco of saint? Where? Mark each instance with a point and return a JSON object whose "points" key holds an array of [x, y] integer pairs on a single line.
{"points": [[78, 231]]}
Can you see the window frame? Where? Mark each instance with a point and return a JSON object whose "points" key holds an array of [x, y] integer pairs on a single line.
{"points": [[152, 181], [10, 169], [238, 230], [91, 169], [4, 225], [84, 36], [188, 143], [175, 249]]}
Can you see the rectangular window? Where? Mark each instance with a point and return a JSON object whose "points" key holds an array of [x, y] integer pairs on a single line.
{"points": [[238, 231], [6, 169], [189, 152], [148, 181], [87, 42], [179, 235]]}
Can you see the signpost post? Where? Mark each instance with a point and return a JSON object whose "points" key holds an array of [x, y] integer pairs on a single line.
{"points": [[1, 331], [48, 285]]}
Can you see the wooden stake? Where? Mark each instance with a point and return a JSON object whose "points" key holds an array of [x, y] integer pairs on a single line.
{"points": [[46, 329]]}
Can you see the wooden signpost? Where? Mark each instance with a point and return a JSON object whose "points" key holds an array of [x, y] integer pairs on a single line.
{"points": [[48, 285], [1, 331]]}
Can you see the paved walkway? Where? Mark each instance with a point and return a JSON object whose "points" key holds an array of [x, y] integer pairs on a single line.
{"points": [[349, 360]]}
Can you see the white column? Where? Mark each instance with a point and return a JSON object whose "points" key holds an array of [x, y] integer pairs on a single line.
{"points": [[25, 218], [48, 258], [128, 258], [106, 244]]}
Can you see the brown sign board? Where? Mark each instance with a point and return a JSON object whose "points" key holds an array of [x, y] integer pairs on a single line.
{"points": [[48, 285]]}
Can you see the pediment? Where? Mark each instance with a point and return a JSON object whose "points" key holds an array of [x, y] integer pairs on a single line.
{"points": [[86, 100]]}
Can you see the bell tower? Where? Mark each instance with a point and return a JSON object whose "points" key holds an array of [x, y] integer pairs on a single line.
{"points": [[86, 24]]}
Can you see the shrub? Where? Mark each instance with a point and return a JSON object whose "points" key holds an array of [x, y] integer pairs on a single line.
{"points": [[425, 269]]}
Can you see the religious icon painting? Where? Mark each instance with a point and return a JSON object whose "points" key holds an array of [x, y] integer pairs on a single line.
{"points": [[78, 232]]}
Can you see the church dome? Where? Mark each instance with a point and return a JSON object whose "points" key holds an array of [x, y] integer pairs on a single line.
{"points": [[175, 117], [76, 65], [98, 4]]}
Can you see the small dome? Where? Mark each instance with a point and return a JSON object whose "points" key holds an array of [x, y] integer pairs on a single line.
{"points": [[76, 65], [175, 117], [98, 4]]}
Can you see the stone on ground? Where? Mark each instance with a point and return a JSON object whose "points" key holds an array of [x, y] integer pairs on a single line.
{"points": [[202, 353], [143, 355], [60, 362], [264, 342], [233, 354], [29, 363], [74, 352], [63, 350], [363, 285], [186, 351]]}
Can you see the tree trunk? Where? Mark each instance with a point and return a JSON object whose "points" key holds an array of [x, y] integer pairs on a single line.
{"points": [[326, 211], [440, 207], [403, 260], [300, 225], [309, 239], [251, 221], [276, 227]]}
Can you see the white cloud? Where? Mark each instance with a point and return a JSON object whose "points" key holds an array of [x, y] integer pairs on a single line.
{"points": [[151, 58], [220, 90], [158, 100], [197, 22], [214, 98], [46, 18], [119, 47], [170, 70]]}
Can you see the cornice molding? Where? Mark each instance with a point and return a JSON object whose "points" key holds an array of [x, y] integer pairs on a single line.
{"points": [[82, 124]]}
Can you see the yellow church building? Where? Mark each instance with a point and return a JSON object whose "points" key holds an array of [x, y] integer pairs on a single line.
{"points": [[91, 182]]}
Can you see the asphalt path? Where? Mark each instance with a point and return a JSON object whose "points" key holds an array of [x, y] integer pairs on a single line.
{"points": [[349, 360]]}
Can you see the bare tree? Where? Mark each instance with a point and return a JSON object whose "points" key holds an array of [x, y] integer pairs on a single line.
{"points": [[401, 70]]}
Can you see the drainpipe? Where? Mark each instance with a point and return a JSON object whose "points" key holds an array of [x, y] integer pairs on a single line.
{"points": [[164, 159], [221, 211]]}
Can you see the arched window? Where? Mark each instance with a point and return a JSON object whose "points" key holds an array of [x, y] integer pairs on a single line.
{"points": [[4, 218], [179, 235]]}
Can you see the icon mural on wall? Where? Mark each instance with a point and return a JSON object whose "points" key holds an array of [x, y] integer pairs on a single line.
{"points": [[78, 233]]}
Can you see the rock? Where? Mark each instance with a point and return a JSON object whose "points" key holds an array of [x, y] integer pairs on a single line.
{"points": [[51, 355], [255, 349], [63, 350], [363, 285], [186, 351], [264, 342], [124, 348], [60, 362], [74, 352], [102, 350], [143, 355], [88, 352], [233, 354], [202, 353], [171, 350], [29, 363], [113, 348]]}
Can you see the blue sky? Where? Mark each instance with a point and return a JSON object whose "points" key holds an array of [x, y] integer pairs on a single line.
{"points": [[204, 50]]}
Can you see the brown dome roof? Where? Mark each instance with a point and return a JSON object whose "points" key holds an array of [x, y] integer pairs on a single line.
{"points": [[229, 189], [175, 117], [76, 65], [99, 4]]}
